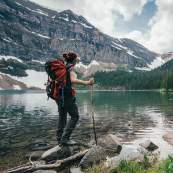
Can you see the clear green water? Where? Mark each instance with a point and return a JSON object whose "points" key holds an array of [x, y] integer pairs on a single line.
{"points": [[27, 117]]}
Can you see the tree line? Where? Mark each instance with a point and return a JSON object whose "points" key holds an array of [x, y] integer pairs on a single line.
{"points": [[160, 78]]}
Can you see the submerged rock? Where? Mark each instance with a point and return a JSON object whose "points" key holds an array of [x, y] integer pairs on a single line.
{"points": [[168, 137], [45, 171], [35, 156], [109, 142], [149, 145], [94, 155], [56, 153], [75, 170]]}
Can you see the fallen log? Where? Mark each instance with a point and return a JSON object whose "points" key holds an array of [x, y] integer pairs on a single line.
{"points": [[32, 166]]}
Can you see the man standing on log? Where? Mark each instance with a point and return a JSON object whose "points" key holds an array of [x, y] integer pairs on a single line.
{"points": [[63, 130]]}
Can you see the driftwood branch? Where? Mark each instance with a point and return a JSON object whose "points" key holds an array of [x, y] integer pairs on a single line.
{"points": [[41, 164], [30, 159]]}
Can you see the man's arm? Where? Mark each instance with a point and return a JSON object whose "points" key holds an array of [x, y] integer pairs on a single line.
{"points": [[74, 80]]}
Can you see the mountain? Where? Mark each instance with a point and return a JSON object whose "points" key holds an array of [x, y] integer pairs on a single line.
{"points": [[31, 34], [167, 56]]}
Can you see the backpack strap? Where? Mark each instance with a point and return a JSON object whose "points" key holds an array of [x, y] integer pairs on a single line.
{"points": [[68, 81], [53, 72]]}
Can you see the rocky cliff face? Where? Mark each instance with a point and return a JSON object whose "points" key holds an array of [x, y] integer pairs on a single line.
{"points": [[31, 32], [167, 56]]}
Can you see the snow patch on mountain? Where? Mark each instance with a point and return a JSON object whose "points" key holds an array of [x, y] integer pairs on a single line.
{"points": [[143, 68], [87, 66], [18, 4], [131, 53], [16, 87], [38, 61], [156, 63], [74, 21], [41, 35], [38, 34], [10, 67], [120, 40], [41, 12], [66, 19], [120, 45], [10, 57], [75, 14], [38, 11], [83, 24], [115, 47], [6, 40], [34, 78], [140, 45], [1, 16]]}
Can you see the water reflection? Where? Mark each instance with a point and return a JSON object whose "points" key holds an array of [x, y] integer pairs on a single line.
{"points": [[26, 116]]}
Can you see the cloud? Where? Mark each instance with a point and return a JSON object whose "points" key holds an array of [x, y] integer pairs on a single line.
{"points": [[129, 8], [160, 37], [100, 13]]}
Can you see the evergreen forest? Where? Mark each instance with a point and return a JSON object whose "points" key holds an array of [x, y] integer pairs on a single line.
{"points": [[159, 78]]}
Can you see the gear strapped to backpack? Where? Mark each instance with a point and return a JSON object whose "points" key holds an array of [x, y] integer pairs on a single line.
{"points": [[56, 87]]}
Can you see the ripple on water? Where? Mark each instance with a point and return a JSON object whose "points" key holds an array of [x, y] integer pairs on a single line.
{"points": [[28, 116]]}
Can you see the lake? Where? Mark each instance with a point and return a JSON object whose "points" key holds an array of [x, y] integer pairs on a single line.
{"points": [[27, 117]]}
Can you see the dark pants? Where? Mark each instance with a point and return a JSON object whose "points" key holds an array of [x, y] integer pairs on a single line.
{"points": [[63, 130]]}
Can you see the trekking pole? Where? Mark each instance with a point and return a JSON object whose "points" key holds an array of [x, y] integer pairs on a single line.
{"points": [[93, 110]]}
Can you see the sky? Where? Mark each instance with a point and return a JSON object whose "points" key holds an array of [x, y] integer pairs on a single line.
{"points": [[148, 22]]}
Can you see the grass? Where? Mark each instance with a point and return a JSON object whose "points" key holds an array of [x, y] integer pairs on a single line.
{"points": [[134, 166], [98, 168]]}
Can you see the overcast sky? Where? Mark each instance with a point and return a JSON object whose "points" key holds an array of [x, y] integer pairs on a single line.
{"points": [[149, 22]]}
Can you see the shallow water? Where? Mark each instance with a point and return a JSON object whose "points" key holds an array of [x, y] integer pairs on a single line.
{"points": [[26, 117]]}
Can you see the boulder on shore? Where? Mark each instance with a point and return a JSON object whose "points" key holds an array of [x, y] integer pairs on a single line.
{"points": [[94, 155], [56, 153], [168, 137], [149, 145], [110, 143]]}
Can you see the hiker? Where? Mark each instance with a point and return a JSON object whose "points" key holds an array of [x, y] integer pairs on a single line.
{"points": [[63, 130]]}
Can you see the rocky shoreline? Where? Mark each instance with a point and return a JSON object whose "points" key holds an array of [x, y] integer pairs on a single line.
{"points": [[56, 157]]}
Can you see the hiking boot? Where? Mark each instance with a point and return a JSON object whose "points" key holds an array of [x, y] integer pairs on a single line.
{"points": [[67, 143], [59, 140]]}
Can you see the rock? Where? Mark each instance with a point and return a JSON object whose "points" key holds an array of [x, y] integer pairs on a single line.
{"points": [[45, 171], [109, 142], [94, 155], [2, 153], [43, 147], [20, 145], [148, 145], [38, 141], [56, 153], [75, 170], [39, 145], [13, 141], [129, 124], [53, 142], [168, 137], [35, 156]]}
